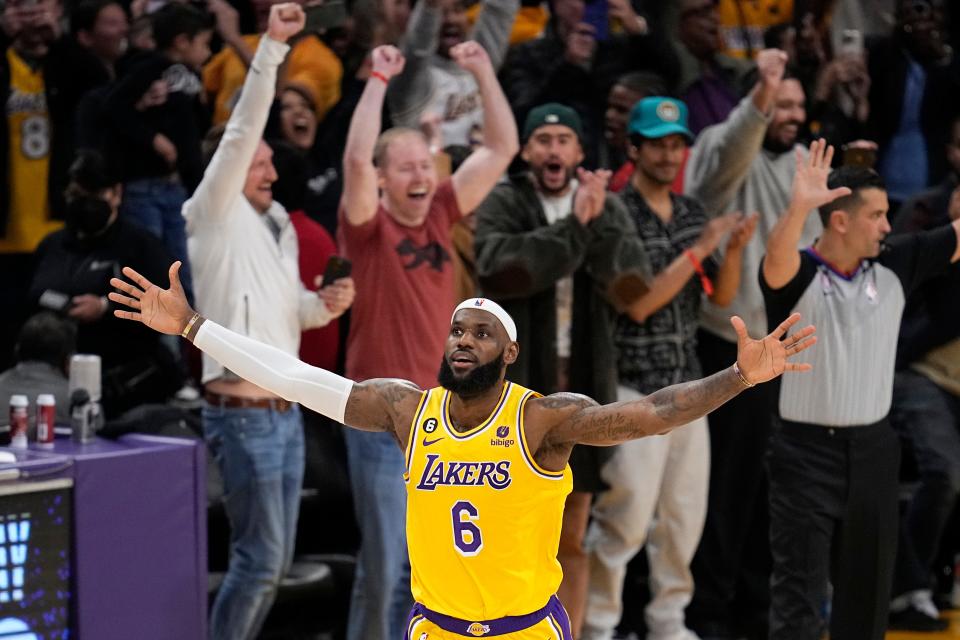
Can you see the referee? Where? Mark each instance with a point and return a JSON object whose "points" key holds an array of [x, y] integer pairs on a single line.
{"points": [[834, 460]]}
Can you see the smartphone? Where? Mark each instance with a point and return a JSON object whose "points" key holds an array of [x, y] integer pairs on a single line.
{"points": [[328, 14], [337, 267], [857, 157], [596, 14], [851, 43]]}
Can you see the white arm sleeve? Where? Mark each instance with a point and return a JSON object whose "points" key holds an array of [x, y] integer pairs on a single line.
{"points": [[276, 371]]}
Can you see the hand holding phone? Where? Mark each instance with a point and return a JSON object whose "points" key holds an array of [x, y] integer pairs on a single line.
{"points": [[337, 290], [851, 43], [860, 153], [596, 13], [337, 267]]}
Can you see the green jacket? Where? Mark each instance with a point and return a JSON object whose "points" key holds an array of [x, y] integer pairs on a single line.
{"points": [[520, 257]]}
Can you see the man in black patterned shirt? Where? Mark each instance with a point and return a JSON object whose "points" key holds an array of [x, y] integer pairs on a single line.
{"points": [[657, 346]]}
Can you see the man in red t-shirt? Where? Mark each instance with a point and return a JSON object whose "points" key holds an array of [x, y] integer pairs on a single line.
{"points": [[395, 225]]}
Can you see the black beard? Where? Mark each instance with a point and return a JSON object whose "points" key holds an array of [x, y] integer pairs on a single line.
{"points": [[478, 381], [779, 147], [538, 178]]}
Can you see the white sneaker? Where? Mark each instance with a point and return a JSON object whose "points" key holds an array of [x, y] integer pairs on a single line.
{"points": [[923, 601]]}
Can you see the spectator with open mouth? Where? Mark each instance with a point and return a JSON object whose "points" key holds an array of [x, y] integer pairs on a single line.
{"points": [[395, 225]]}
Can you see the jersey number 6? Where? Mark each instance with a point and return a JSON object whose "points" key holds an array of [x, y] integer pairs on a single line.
{"points": [[466, 534]]}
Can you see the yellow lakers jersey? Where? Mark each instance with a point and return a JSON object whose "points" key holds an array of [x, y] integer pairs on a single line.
{"points": [[29, 159], [742, 24], [483, 519]]}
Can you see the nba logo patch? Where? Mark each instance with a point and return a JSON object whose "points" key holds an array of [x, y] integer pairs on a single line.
{"points": [[503, 431], [477, 629]]}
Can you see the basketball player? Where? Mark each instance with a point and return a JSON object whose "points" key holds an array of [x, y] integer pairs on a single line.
{"points": [[486, 460]]}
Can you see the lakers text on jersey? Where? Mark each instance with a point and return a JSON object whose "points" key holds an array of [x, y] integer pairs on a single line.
{"points": [[483, 518]]}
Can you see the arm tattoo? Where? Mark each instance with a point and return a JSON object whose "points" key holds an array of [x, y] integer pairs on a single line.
{"points": [[377, 405], [682, 403], [562, 401], [657, 413]]}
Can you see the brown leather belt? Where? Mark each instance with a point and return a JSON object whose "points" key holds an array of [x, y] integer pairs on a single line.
{"points": [[237, 402]]}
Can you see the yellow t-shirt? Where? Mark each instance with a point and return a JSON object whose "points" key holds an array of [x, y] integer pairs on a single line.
{"points": [[28, 122], [483, 519], [744, 21], [224, 74], [529, 23]]}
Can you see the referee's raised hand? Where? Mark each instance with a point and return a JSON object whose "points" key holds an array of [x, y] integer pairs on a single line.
{"points": [[810, 189], [163, 310]]}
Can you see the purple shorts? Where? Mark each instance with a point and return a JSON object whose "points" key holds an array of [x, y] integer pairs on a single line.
{"points": [[551, 618]]}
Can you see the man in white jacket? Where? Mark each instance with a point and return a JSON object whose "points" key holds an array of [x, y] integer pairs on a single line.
{"points": [[244, 252]]}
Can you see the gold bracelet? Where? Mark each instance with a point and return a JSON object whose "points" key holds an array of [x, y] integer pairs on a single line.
{"points": [[736, 370], [190, 323]]}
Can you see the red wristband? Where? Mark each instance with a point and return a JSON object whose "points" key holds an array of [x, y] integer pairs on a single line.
{"points": [[380, 76], [704, 280]]}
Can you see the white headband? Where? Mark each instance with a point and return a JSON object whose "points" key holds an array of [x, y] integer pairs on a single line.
{"points": [[491, 307]]}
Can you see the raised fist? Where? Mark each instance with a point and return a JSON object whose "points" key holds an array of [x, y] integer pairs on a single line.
{"points": [[471, 57], [387, 60], [771, 65], [286, 20]]}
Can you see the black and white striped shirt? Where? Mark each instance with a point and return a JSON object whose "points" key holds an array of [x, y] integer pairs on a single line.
{"points": [[858, 320]]}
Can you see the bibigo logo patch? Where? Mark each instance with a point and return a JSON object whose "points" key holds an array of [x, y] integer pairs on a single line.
{"points": [[502, 440]]}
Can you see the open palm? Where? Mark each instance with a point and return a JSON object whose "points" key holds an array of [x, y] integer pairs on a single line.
{"points": [[765, 359], [163, 310], [810, 188]]}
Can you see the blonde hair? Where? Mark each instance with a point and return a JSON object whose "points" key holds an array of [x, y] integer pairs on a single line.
{"points": [[387, 138]]}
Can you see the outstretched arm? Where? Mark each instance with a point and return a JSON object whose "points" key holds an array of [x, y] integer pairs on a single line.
{"points": [[757, 361], [374, 405]]}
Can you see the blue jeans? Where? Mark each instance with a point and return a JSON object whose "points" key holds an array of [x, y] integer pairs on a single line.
{"points": [[381, 596], [928, 417], [155, 205], [260, 454]]}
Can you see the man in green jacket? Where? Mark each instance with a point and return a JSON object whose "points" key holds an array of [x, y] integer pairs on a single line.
{"points": [[561, 256]]}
